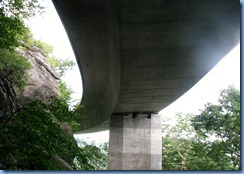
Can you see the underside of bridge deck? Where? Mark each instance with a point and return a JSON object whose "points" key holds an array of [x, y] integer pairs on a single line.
{"points": [[142, 55]]}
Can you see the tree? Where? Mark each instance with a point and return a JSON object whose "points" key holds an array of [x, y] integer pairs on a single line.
{"points": [[33, 137], [12, 15], [223, 122], [61, 66], [178, 141], [208, 141], [12, 32], [91, 157], [22, 9]]}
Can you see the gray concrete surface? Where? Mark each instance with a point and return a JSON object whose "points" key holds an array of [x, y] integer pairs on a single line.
{"points": [[142, 55], [135, 143]]}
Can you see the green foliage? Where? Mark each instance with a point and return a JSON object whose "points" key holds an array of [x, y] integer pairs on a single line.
{"points": [[91, 157], [61, 66], [47, 49], [29, 42], [65, 91], [33, 137], [223, 121], [13, 66], [12, 27], [209, 141], [177, 142], [12, 31], [20, 8]]}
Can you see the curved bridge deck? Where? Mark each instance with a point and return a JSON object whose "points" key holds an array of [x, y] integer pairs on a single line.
{"points": [[142, 55]]}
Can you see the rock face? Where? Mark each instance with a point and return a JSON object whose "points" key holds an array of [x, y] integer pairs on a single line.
{"points": [[8, 104], [42, 85], [42, 78]]}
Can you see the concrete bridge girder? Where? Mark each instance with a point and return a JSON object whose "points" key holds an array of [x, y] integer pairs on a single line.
{"points": [[141, 55]]}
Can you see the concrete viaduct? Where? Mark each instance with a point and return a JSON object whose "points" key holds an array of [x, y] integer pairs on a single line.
{"points": [[138, 56]]}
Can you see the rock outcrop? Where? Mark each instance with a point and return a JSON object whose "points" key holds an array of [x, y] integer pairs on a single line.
{"points": [[42, 78], [42, 85], [8, 103]]}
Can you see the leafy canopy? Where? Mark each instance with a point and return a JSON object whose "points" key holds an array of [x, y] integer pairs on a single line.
{"points": [[13, 67], [223, 121], [20, 8], [91, 157], [208, 141], [32, 137], [12, 15]]}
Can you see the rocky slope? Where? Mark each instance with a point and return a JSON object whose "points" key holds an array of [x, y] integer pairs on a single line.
{"points": [[42, 78], [42, 85]]}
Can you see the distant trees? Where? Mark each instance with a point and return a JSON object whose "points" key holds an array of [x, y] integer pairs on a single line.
{"points": [[208, 141], [223, 122], [91, 157]]}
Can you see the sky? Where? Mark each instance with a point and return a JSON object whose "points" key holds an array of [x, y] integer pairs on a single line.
{"points": [[49, 29]]}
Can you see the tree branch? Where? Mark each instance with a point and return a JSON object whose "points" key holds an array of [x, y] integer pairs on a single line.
{"points": [[63, 162]]}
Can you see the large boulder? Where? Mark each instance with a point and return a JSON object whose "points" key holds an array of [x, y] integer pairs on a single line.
{"points": [[42, 78]]}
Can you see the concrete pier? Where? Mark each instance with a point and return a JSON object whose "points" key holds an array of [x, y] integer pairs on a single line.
{"points": [[135, 142]]}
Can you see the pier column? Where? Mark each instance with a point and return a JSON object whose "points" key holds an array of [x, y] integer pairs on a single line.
{"points": [[135, 142]]}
